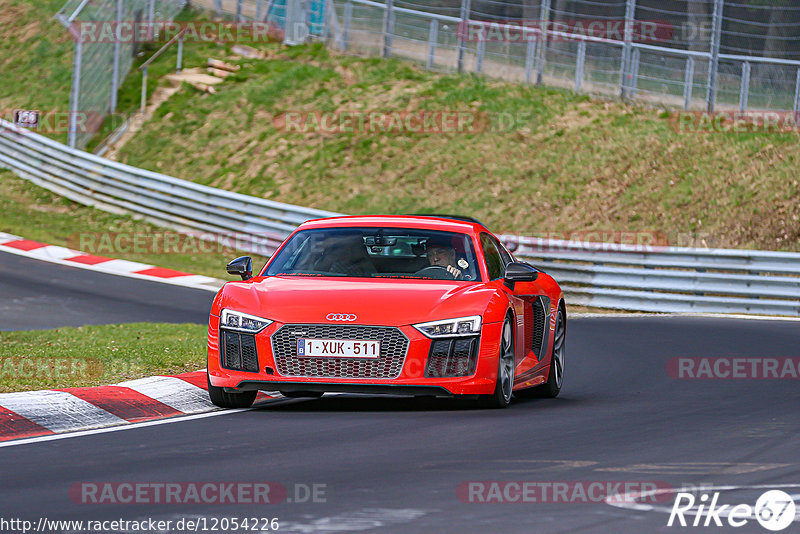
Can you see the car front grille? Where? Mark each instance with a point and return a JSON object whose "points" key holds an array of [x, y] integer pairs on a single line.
{"points": [[452, 357], [394, 346], [238, 351]]}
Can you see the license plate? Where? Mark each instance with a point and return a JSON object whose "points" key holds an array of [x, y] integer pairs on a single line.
{"points": [[338, 348]]}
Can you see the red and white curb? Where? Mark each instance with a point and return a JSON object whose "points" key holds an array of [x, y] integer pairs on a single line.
{"points": [[75, 258], [42, 413]]}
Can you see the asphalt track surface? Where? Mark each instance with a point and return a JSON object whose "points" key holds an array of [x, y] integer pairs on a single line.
{"points": [[36, 294], [394, 464]]}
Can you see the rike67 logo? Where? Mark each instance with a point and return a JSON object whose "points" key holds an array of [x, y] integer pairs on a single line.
{"points": [[774, 510]]}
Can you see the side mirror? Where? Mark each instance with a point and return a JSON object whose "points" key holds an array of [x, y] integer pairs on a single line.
{"points": [[242, 266], [519, 272]]}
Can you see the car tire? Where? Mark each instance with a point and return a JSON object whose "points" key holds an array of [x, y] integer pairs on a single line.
{"points": [[503, 390], [219, 397], [302, 394], [555, 379]]}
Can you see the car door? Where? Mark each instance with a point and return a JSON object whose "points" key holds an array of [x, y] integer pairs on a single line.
{"points": [[531, 307]]}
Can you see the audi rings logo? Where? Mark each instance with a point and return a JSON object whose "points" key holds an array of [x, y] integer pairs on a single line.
{"points": [[341, 317]]}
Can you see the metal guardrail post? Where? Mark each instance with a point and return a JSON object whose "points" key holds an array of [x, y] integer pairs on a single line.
{"points": [[259, 9], [348, 17], [115, 65], [218, 7], [463, 32], [688, 83], [238, 10], [151, 11], [75, 91], [481, 53], [544, 26], [433, 38], [530, 58], [579, 62], [388, 28], [744, 89], [625, 63], [713, 64]]}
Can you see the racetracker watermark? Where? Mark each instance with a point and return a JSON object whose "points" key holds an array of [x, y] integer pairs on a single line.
{"points": [[180, 493], [60, 122], [402, 122], [522, 31], [590, 241], [123, 243], [732, 368], [22, 368], [163, 31], [551, 492], [734, 122]]}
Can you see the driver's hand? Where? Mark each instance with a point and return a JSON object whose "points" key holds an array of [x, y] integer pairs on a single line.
{"points": [[454, 271]]}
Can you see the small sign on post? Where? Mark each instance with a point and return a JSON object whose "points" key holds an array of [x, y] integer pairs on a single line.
{"points": [[25, 118]]}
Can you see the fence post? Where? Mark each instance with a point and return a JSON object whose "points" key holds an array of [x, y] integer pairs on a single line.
{"points": [[713, 63], [744, 88], [179, 65], [463, 32], [530, 55], [579, 66], [115, 66], [238, 10], [797, 96], [388, 28], [348, 16], [634, 73], [143, 104], [688, 83], [625, 63], [481, 52], [433, 38], [75, 91], [541, 56]]}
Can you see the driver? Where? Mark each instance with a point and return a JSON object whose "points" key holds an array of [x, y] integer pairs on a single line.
{"points": [[441, 253]]}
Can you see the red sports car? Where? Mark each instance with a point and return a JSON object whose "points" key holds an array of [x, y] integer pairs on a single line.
{"points": [[405, 305]]}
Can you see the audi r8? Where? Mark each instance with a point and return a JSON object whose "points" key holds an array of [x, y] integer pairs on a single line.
{"points": [[365, 304]]}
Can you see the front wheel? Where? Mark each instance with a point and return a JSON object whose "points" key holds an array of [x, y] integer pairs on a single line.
{"points": [[505, 371], [222, 399]]}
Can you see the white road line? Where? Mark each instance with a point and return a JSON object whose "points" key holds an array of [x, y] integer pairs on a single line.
{"points": [[58, 411], [173, 392]]}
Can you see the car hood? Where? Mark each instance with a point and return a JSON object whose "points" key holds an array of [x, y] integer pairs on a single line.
{"points": [[373, 302]]}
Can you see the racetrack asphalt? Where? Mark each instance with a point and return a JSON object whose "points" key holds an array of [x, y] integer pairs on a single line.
{"points": [[37, 295], [395, 464]]}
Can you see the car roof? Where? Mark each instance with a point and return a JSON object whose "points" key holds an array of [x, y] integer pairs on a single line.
{"points": [[427, 222]]}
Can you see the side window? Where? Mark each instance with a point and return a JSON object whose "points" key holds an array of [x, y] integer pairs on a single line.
{"points": [[505, 255], [494, 263]]}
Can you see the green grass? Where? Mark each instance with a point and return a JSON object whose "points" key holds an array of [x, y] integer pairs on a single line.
{"points": [[97, 355], [35, 58], [35, 213], [568, 164]]}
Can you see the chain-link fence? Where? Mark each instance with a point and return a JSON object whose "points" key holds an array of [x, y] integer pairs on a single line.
{"points": [[695, 54], [102, 57]]}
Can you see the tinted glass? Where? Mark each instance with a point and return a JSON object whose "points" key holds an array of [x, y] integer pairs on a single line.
{"points": [[377, 253], [494, 263]]}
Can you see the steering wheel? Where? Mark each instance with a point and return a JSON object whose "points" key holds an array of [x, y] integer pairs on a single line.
{"points": [[437, 272]]}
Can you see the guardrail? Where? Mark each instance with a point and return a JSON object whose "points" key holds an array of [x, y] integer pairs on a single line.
{"points": [[603, 275], [259, 225]]}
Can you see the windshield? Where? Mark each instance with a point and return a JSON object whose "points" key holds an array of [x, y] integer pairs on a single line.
{"points": [[377, 253]]}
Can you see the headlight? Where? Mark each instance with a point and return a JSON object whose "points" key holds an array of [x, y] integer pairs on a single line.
{"points": [[463, 326], [242, 322]]}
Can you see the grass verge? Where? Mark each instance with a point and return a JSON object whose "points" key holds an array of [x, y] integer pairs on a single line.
{"points": [[98, 355]]}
